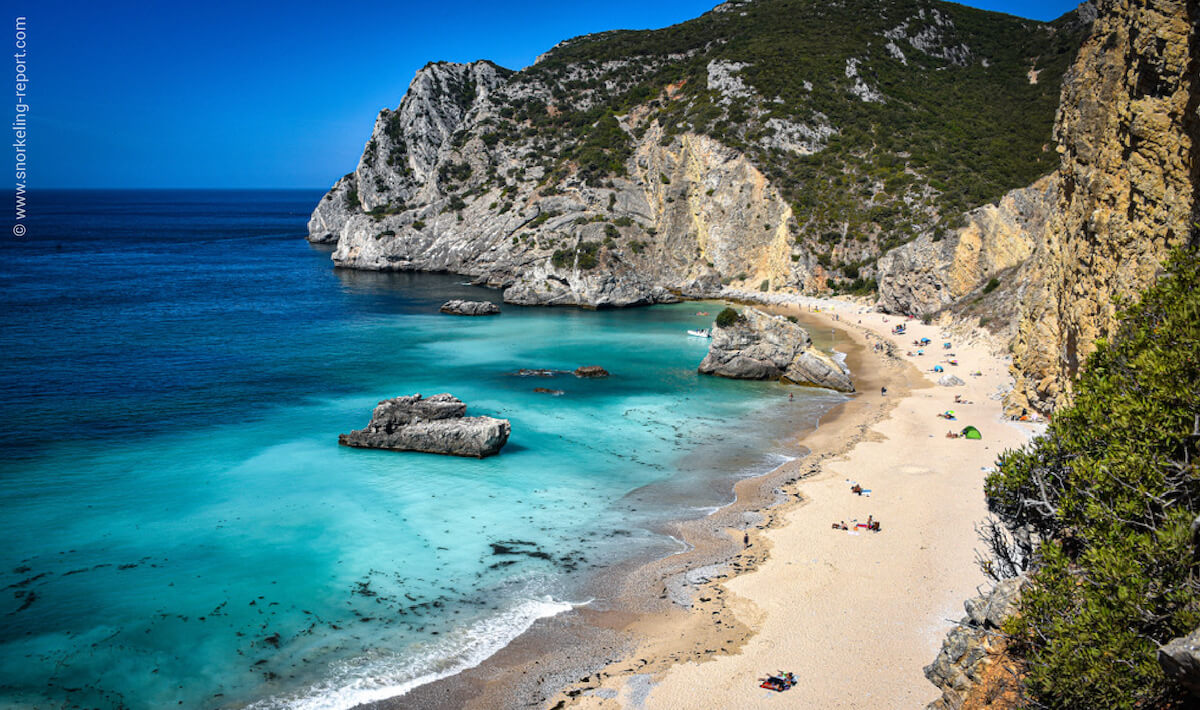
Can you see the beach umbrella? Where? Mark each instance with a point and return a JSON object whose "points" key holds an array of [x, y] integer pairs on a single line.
{"points": [[971, 432]]}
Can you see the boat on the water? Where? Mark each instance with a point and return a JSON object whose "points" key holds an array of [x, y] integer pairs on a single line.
{"points": [[705, 333]]}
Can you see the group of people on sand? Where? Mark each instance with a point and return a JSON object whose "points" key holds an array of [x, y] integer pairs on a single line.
{"points": [[872, 524]]}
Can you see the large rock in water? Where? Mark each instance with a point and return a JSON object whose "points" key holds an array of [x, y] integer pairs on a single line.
{"points": [[435, 425], [457, 307], [764, 347]]}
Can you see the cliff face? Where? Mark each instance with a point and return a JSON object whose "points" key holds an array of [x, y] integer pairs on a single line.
{"points": [[1128, 133], [688, 212], [628, 167], [933, 272]]}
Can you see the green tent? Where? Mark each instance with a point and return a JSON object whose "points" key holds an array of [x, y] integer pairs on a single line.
{"points": [[972, 433]]}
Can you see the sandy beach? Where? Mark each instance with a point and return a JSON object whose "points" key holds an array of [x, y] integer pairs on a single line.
{"points": [[854, 614]]}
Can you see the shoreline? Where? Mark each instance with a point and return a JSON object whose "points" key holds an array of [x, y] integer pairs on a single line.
{"points": [[672, 616]]}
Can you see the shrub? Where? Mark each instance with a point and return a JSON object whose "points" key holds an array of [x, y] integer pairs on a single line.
{"points": [[992, 285], [728, 317], [1109, 495], [418, 225]]}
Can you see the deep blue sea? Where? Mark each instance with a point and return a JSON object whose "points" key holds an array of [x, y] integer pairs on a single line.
{"points": [[179, 526]]}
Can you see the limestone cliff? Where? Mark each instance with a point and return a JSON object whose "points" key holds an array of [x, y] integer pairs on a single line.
{"points": [[933, 272], [1066, 250], [738, 149], [1128, 132]]}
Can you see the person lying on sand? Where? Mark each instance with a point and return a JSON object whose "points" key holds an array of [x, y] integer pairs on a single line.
{"points": [[857, 489], [951, 435]]}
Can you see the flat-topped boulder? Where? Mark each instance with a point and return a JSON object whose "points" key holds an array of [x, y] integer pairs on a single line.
{"points": [[435, 425], [758, 346], [458, 307]]}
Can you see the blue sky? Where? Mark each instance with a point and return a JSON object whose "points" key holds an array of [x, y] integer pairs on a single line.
{"points": [[223, 94]]}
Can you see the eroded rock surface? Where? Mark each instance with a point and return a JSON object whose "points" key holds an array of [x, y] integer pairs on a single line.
{"points": [[972, 646], [435, 425], [1129, 136], [764, 347], [933, 271], [1180, 660], [458, 307]]}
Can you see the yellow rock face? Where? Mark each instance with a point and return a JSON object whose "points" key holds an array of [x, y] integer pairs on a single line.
{"points": [[1127, 131], [725, 210]]}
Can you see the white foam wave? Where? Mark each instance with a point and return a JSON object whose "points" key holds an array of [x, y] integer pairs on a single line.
{"points": [[387, 675]]}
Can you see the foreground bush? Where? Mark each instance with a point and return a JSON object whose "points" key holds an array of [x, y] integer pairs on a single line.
{"points": [[1101, 508]]}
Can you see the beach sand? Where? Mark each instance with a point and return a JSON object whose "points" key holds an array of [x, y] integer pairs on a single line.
{"points": [[855, 615]]}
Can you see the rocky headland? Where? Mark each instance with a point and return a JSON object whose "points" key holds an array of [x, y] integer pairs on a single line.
{"points": [[635, 168], [435, 425]]}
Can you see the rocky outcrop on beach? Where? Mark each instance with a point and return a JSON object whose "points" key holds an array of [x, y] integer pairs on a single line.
{"points": [[456, 307], [435, 425], [1129, 137], [591, 371], [966, 667], [610, 174], [758, 346]]}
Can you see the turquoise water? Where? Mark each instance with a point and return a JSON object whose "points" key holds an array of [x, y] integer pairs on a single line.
{"points": [[181, 527]]}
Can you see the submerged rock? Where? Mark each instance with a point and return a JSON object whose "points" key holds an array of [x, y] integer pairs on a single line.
{"points": [[434, 425], [763, 347], [458, 307], [591, 371]]}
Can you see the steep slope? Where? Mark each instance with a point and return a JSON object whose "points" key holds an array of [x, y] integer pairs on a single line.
{"points": [[1129, 135], [772, 144]]}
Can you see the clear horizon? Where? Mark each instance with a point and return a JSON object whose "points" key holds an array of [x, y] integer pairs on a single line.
{"points": [[140, 96]]}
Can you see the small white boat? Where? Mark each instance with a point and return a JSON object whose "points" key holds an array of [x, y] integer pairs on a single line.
{"points": [[705, 333]]}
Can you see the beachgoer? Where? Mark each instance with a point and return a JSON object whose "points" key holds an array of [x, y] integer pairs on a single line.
{"points": [[791, 397], [746, 539], [883, 390]]}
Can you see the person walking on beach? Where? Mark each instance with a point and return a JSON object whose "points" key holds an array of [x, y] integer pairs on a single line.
{"points": [[746, 539]]}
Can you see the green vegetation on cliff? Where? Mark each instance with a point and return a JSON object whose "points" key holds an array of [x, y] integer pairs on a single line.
{"points": [[1103, 507], [878, 119]]}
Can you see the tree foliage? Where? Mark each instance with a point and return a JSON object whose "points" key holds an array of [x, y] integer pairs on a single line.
{"points": [[728, 317], [1102, 510]]}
